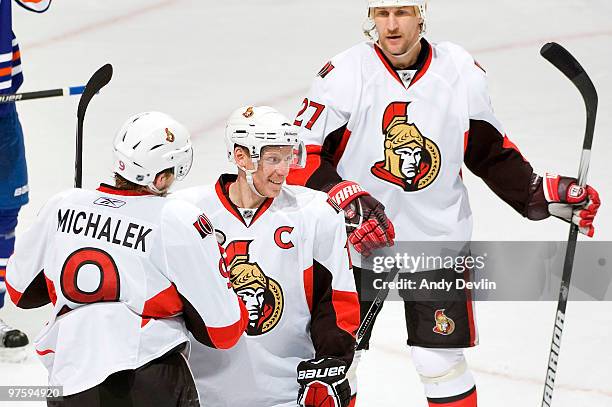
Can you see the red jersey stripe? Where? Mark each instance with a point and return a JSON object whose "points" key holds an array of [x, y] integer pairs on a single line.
{"points": [[14, 294], [164, 304], [346, 305], [222, 190], [383, 59], [509, 144], [107, 189], [51, 290], [422, 71], [308, 286], [228, 336], [340, 151], [470, 313]]}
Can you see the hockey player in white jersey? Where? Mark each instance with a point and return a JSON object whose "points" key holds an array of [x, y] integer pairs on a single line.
{"points": [[393, 120], [287, 255], [125, 269]]}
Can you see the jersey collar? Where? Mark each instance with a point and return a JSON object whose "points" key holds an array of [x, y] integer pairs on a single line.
{"points": [[421, 66], [222, 190], [108, 189]]}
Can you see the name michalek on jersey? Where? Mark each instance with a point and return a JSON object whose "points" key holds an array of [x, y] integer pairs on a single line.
{"points": [[441, 285], [101, 227]]}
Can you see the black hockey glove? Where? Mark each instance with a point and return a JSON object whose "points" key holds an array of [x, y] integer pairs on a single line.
{"points": [[367, 225], [323, 383]]}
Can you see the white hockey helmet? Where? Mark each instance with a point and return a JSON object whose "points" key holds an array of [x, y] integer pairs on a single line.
{"points": [[369, 28], [255, 127], [151, 142]]}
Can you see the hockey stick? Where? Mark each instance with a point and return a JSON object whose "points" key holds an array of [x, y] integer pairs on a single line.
{"points": [[567, 64], [381, 296], [18, 97], [97, 81]]}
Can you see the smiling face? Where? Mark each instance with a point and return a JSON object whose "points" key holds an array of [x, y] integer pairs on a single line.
{"points": [[398, 28], [272, 170]]}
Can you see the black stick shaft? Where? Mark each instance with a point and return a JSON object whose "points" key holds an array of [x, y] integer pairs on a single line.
{"points": [[98, 80], [567, 64], [381, 296], [19, 97]]}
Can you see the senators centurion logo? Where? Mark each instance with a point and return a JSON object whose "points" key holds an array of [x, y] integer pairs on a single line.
{"points": [[261, 294], [169, 136], [444, 325], [412, 161]]}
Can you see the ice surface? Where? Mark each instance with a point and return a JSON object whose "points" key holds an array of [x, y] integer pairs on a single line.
{"points": [[198, 60]]}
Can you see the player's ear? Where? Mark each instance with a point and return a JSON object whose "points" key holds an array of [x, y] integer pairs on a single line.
{"points": [[242, 157], [164, 179]]}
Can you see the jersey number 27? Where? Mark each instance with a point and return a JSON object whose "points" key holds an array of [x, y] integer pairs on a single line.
{"points": [[317, 113]]}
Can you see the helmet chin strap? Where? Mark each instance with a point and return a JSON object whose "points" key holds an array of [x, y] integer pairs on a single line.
{"points": [[151, 187], [249, 179]]}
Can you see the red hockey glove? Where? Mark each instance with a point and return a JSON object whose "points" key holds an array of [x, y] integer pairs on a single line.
{"points": [[367, 225], [569, 201], [323, 383]]}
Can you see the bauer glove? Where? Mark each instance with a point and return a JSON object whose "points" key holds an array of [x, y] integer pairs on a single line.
{"points": [[323, 383], [572, 203], [367, 225]]}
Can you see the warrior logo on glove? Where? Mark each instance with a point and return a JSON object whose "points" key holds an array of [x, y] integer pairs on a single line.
{"points": [[412, 161], [262, 295]]}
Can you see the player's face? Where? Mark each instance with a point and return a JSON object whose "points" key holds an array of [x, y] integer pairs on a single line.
{"points": [[398, 28], [272, 170], [411, 159]]}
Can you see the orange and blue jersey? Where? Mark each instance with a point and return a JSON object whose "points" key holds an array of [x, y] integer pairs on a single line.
{"points": [[10, 58], [11, 76]]}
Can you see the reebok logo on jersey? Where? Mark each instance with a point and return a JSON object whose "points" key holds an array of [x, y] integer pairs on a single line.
{"points": [[109, 202], [326, 70]]}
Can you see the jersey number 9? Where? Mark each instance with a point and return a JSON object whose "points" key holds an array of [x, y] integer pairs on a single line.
{"points": [[108, 288]]}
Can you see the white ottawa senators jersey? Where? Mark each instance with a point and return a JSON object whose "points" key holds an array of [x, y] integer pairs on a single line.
{"points": [[288, 262], [401, 138], [120, 268]]}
